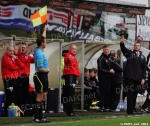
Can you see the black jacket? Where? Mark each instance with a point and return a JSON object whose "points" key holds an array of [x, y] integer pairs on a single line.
{"points": [[104, 66], [116, 78], [135, 66], [88, 82], [95, 80], [148, 63]]}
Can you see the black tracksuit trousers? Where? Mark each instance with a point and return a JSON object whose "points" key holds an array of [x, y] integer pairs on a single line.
{"points": [[68, 93]]}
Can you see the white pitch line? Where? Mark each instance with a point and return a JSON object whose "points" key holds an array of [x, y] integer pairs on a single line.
{"points": [[113, 117]]}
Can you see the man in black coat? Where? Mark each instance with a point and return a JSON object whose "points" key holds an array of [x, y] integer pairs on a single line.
{"points": [[134, 73], [146, 105], [115, 81], [104, 72]]}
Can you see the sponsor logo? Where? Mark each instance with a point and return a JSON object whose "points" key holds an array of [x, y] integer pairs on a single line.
{"points": [[6, 12]]}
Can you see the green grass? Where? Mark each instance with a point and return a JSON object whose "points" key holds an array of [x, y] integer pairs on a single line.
{"points": [[83, 119]]}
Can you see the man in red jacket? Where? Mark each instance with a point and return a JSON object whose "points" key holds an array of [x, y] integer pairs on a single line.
{"points": [[10, 73], [21, 65], [70, 74], [24, 74]]}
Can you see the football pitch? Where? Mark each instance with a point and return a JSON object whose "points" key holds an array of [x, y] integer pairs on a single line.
{"points": [[83, 119]]}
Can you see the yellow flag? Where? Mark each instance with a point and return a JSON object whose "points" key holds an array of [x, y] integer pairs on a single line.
{"points": [[40, 17]]}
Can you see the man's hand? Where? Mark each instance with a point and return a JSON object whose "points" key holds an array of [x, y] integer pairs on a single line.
{"points": [[70, 57], [46, 27], [77, 81], [142, 82], [32, 51], [48, 71], [14, 57], [122, 39], [112, 71], [20, 48]]}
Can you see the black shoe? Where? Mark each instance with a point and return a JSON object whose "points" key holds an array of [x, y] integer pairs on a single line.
{"points": [[72, 114], [132, 113], [111, 110], [100, 110], [106, 110], [44, 119], [135, 110], [37, 120], [138, 112]]}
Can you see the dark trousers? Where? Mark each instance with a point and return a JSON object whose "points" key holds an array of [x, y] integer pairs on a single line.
{"points": [[10, 92], [147, 101], [88, 97], [114, 95], [104, 91], [132, 89], [68, 93], [124, 91], [148, 90], [23, 91]]}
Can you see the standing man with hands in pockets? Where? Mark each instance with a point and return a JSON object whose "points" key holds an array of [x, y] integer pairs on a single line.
{"points": [[134, 73], [41, 76]]}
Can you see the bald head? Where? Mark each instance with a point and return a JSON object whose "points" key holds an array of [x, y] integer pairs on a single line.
{"points": [[73, 49]]}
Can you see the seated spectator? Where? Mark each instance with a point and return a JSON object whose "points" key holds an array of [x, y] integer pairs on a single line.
{"points": [[94, 82], [88, 89]]}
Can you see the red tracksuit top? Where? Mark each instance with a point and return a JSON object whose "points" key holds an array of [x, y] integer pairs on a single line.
{"points": [[26, 60], [9, 67], [71, 65]]}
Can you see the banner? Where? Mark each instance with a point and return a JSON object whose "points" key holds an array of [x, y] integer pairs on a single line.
{"points": [[143, 25], [10, 12], [21, 17], [101, 5], [72, 23]]}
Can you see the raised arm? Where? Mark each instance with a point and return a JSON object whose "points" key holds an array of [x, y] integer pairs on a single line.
{"points": [[44, 31], [122, 46]]}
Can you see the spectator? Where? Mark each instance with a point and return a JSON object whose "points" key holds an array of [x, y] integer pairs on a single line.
{"points": [[10, 74], [64, 52], [115, 81], [70, 74], [95, 83], [87, 89], [104, 72], [146, 105], [18, 94], [134, 73], [24, 73]]}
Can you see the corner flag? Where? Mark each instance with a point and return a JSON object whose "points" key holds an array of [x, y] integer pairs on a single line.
{"points": [[39, 17]]}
